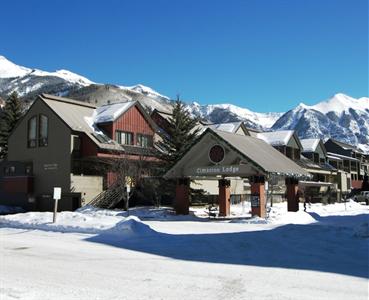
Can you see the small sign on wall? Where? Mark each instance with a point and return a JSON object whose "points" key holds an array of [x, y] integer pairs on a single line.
{"points": [[49, 167]]}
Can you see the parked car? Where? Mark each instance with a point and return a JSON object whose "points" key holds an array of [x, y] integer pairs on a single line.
{"points": [[362, 197]]}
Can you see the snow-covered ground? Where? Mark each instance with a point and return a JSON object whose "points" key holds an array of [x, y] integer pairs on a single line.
{"points": [[153, 254]]}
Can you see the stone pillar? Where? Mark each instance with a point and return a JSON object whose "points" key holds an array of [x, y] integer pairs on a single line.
{"points": [[182, 201], [292, 194], [224, 197], [258, 199]]}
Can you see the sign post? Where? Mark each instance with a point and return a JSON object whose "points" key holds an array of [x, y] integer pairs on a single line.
{"points": [[57, 196], [128, 189]]}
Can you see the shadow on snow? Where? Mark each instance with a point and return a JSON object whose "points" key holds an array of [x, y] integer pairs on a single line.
{"points": [[316, 247]]}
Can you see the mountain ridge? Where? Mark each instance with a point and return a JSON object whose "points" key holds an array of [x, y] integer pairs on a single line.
{"points": [[341, 117]]}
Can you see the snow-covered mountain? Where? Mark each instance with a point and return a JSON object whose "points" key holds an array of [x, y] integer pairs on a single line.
{"points": [[341, 117], [25, 80], [28, 83], [223, 113]]}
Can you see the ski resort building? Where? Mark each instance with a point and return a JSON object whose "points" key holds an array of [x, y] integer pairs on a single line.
{"points": [[65, 143], [221, 156], [348, 159]]}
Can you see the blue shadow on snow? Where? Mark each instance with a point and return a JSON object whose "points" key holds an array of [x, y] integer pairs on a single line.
{"points": [[316, 247]]}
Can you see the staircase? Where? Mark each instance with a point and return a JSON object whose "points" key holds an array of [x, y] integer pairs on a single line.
{"points": [[108, 198]]}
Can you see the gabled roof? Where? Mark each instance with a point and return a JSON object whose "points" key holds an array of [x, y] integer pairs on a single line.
{"points": [[111, 112], [231, 127], [306, 163], [268, 158], [78, 116], [347, 146], [278, 138], [310, 145], [260, 154], [163, 114]]}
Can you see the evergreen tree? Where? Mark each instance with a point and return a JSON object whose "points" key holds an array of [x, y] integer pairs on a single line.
{"points": [[180, 134], [11, 114]]}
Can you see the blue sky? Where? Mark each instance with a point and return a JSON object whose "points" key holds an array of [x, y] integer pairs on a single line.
{"points": [[266, 55]]}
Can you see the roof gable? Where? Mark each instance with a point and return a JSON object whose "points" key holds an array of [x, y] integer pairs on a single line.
{"points": [[113, 112], [279, 138], [79, 117], [345, 146], [251, 155], [232, 127]]}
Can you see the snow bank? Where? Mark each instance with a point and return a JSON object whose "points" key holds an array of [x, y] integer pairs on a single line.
{"points": [[88, 220], [279, 216]]}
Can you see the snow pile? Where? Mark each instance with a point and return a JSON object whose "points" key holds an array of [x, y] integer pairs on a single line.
{"points": [[278, 216], [130, 226], [90, 221]]}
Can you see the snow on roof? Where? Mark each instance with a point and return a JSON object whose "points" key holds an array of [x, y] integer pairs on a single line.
{"points": [[335, 156], [309, 145], [332, 157], [227, 127], [79, 116], [276, 138], [111, 112]]}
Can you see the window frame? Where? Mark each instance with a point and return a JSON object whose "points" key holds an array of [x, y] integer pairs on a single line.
{"points": [[43, 141], [32, 143], [118, 137], [149, 139]]}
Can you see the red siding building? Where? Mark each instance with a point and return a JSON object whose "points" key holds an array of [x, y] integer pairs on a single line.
{"points": [[77, 140]]}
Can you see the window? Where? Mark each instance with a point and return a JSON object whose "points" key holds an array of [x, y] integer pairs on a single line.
{"points": [[32, 132], [296, 154], [76, 143], [144, 140], [124, 138], [289, 152], [9, 170], [43, 131]]}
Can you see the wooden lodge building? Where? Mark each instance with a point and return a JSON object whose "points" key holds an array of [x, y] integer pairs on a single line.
{"points": [[61, 142], [66, 143]]}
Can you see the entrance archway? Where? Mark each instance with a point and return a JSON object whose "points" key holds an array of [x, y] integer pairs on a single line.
{"points": [[219, 155]]}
